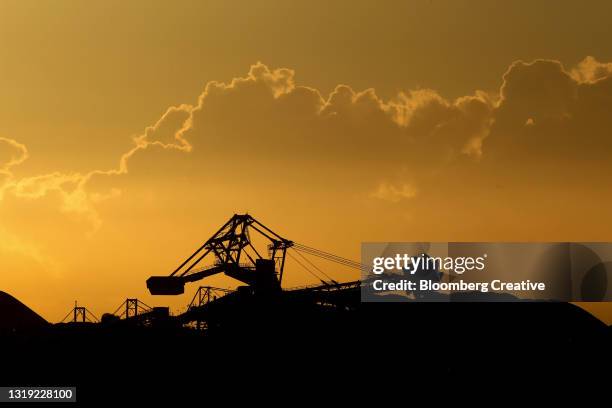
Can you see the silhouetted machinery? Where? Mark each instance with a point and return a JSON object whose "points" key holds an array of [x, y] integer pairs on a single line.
{"points": [[80, 314], [135, 312], [236, 255], [250, 252]]}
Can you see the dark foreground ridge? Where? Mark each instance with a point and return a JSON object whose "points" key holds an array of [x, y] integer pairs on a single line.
{"points": [[439, 339]]}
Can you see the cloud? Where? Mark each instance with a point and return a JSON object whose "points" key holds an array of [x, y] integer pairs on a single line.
{"points": [[267, 125], [566, 113], [389, 192], [76, 197], [590, 70], [12, 154]]}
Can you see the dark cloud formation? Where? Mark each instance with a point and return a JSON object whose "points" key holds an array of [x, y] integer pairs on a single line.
{"points": [[545, 121], [548, 115], [264, 125]]}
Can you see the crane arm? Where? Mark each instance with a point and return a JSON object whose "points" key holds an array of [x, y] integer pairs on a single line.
{"points": [[235, 255]]}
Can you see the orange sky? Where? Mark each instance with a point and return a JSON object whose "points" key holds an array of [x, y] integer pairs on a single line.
{"points": [[366, 121]]}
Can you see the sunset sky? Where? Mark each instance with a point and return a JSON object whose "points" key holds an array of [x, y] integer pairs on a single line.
{"points": [[131, 130]]}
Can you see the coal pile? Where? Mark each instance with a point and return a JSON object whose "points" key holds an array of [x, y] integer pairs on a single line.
{"points": [[14, 315]]}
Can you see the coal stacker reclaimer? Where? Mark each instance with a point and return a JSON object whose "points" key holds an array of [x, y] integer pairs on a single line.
{"points": [[248, 251]]}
